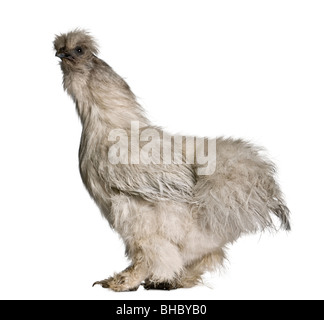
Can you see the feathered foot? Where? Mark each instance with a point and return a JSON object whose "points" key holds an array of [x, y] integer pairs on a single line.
{"points": [[190, 275], [127, 280], [152, 285], [117, 283]]}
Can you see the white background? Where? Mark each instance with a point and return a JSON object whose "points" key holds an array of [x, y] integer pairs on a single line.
{"points": [[250, 69]]}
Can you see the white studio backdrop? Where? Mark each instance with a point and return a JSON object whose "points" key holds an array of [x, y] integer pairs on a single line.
{"points": [[249, 69]]}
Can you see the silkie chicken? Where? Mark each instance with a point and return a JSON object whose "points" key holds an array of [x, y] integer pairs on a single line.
{"points": [[175, 201]]}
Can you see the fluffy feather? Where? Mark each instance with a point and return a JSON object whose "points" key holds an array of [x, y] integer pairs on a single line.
{"points": [[175, 223]]}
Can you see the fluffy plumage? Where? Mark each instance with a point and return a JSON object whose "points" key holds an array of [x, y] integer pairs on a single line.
{"points": [[175, 223]]}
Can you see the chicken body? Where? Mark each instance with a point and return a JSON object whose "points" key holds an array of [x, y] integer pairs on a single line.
{"points": [[175, 222]]}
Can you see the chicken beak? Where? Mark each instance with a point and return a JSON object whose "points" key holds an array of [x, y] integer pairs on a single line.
{"points": [[61, 55]]}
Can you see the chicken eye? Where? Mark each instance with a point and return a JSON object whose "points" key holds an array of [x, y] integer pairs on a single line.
{"points": [[78, 50]]}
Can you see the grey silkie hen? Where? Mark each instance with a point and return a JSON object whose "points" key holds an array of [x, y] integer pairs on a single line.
{"points": [[174, 207]]}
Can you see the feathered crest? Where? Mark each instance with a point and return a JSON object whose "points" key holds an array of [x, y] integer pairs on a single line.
{"points": [[76, 37]]}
